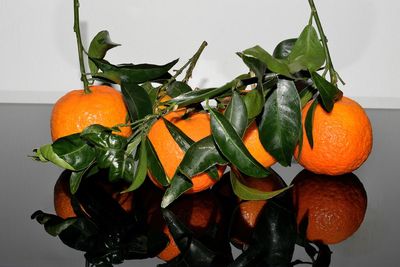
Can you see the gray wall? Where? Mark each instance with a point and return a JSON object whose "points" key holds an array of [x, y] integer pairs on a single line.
{"points": [[26, 186]]}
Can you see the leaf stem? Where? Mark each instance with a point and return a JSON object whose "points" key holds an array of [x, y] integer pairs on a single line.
{"points": [[334, 76], [77, 31]]}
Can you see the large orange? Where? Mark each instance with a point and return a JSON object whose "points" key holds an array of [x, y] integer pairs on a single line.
{"points": [[62, 195], [194, 125], [246, 215], [251, 140], [76, 110], [342, 139], [334, 205], [199, 212]]}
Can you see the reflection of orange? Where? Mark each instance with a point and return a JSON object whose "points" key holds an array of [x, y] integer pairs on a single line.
{"points": [[199, 212], [334, 205], [246, 216], [62, 196], [252, 142], [342, 139], [76, 110], [194, 125]]}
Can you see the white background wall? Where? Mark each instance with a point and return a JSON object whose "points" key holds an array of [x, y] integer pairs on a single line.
{"points": [[39, 59]]}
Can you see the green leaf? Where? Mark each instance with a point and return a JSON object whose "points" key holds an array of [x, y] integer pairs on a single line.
{"points": [[151, 91], [75, 151], [98, 48], [154, 165], [179, 136], [75, 179], [231, 146], [179, 185], [308, 52], [248, 193], [130, 73], [328, 92], [273, 64], [46, 153], [178, 88], [138, 101], [280, 125], [201, 156], [256, 66], [306, 94], [254, 102], [141, 170], [198, 96], [236, 113], [309, 122], [283, 49]]}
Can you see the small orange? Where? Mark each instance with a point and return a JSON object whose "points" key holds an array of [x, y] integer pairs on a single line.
{"points": [[245, 217], [342, 139], [62, 195], [334, 205], [251, 140], [195, 125], [76, 110]]}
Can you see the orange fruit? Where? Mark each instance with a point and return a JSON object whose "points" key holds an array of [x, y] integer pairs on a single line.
{"points": [[199, 212], [334, 205], [247, 213], [252, 142], [195, 125], [342, 139], [76, 110], [62, 195]]}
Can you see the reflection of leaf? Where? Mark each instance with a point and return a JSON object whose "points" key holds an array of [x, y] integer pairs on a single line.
{"points": [[280, 125]]}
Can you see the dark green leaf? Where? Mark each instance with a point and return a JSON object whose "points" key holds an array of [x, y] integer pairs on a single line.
{"points": [[280, 125], [231, 146], [308, 52], [179, 136], [248, 193], [198, 96], [75, 151], [141, 170], [306, 95], [130, 73], [138, 101], [151, 91], [179, 185], [54, 225], [75, 179], [201, 156], [154, 165], [283, 49], [178, 88], [308, 125], [257, 67], [254, 102], [273, 64], [236, 113], [98, 48], [328, 92]]}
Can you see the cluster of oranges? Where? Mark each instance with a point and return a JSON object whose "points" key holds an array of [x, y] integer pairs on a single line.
{"points": [[326, 194]]}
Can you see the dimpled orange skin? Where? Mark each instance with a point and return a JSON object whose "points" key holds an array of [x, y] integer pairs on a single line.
{"points": [[342, 139], [335, 205], [196, 126], [252, 142], [246, 216], [76, 110]]}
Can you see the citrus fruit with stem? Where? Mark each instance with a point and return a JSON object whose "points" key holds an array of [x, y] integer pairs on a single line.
{"points": [[332, 207], [77, 110], [342, 139], [247, 212], [62, 194], [196, 125]]}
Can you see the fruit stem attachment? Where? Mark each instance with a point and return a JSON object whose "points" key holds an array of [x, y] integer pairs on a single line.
{"points": [[77, 31], [334, 76]]}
